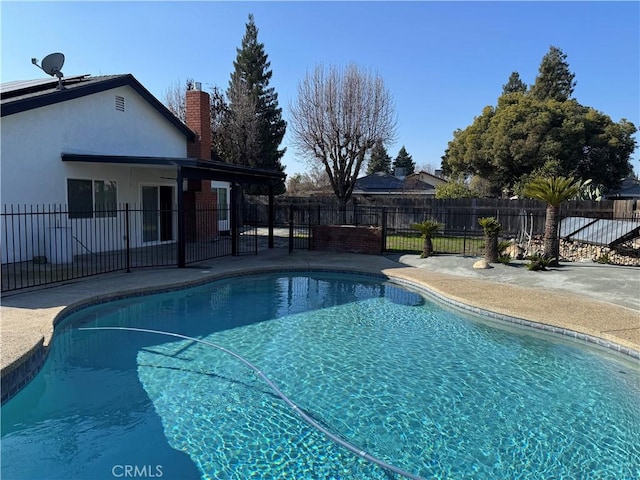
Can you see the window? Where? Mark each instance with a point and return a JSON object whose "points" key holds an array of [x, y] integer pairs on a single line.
{"points": [[82, 195], [79, 198], [105, 198]]}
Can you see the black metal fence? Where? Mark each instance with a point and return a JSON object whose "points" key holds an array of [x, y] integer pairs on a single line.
{"points": [[48, 244], [595, 237], [44, 244], [460, 231]]}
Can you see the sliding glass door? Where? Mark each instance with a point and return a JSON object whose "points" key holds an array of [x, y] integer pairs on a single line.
{"points": [[157, 213]]}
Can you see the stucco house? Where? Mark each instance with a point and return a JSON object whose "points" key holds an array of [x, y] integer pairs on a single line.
{"points": [[98, 143]]}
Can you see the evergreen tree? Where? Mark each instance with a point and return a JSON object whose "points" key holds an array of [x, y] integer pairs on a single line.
{"points": [[380, 160], [251, 77], [514, 84], [554, 81], [239, 137], [509, 142], [404, 160], [542, 132]]}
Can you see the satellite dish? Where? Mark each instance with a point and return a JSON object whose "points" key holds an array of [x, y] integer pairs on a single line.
{"points": [[52, 64]]}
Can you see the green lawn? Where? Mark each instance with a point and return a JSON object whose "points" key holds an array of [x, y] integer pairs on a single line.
{"points": [[411, 243]]}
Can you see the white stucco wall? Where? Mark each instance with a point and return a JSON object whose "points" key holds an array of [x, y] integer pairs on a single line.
{"points": [[33, 174], [32, 142]]}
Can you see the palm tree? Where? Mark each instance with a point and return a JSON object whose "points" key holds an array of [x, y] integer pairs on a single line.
{"points": [[428, 229], [553, 191], [491, 228]]}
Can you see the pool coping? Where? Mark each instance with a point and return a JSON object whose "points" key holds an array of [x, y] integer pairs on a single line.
{"points": [[18, 373]]}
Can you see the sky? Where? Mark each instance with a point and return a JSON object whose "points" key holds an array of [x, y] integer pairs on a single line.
{"points": [[441, 61]]}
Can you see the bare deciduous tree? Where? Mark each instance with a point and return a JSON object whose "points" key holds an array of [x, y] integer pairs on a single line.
{"points": [[234, 131], [426, 167], [175, 98], [314, 180], [336, 119]]}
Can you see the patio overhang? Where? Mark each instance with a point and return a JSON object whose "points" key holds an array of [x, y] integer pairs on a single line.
{"points": [[197, 169], [191, 168]]}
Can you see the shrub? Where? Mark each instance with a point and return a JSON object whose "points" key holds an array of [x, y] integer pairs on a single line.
{"points": [[491, 227], [538, 261], [428, 229], [503, 257]]}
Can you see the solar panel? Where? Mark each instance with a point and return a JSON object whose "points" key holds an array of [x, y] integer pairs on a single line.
{"points": [[570, 225], [18, 85], [606, 232]]}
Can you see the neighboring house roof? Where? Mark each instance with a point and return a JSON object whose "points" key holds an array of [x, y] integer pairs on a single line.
{"points": [[629, 189], [379, 181], [428, 178], [21, 96], [382, 183]]}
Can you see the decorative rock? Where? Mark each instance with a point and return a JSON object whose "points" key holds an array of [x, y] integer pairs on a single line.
{"points": [[515, 251], [481, 264]]}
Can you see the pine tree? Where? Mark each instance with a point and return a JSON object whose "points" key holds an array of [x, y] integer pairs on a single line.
{"points": [[404, 160], [554, 81], [251, 77], [514, 84], [380, 160]]}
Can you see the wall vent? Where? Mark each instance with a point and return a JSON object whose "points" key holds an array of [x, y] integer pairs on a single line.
{"points": [[119, 103]]}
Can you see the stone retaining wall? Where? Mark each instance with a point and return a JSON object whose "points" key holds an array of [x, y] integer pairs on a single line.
{"points": [[574, 251]]}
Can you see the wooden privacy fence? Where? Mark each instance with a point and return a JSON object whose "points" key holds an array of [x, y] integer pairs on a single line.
{"points": [[477, 207]]}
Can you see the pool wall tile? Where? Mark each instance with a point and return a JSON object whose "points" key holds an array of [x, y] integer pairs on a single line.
{"points": [[14, 379]]}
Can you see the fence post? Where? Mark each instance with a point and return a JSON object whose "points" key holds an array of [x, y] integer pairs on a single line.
{"points": [[272, 214], [126, 236], [383, 225], [181, 243], [233, 213], [464, 241], [291, 228], [355, 213], [309, 229]]}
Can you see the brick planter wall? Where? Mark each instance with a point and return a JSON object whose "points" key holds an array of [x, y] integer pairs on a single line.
{"points": [[347, 239]]}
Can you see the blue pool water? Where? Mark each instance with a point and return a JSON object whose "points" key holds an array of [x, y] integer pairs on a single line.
{"points": [[417, 385]]}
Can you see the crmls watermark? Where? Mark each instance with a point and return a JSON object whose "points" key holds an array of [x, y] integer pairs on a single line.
{"points": [[137, 471]]}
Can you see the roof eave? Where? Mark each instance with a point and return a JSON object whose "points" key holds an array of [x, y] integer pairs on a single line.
{"points": [[57, 96]]}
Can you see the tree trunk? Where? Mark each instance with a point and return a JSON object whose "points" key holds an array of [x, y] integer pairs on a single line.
{"points": [[342, 211], [551, 240], [427, 248], [491, 248]]}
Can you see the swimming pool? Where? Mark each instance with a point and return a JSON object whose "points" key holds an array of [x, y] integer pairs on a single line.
{"points": [[417, 385]]}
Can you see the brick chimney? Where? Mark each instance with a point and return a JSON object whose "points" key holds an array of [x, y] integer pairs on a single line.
{"points": [[198, 119], [200, 200]]}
